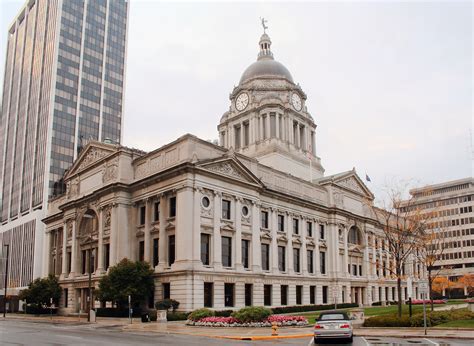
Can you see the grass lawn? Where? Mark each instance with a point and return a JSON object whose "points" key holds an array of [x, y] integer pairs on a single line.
{"points": [[457, 324]]}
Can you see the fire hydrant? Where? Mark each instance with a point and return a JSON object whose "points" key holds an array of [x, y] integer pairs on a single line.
{"points": [[274, 328]]}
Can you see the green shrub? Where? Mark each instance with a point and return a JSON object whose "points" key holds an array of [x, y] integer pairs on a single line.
{"points": [[388, 321], [196, 315], [177, 316], [167, 304], [252, 314], [304, 308], [152, 314], [117, 312], [223, 313]]}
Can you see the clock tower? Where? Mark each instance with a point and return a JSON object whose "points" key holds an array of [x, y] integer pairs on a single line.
{"points": [[268, 118]]}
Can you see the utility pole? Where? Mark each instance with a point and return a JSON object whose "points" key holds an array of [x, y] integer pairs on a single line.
{"points": [[6, 282]]}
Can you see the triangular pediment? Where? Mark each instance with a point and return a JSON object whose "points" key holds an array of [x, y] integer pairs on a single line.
{"points": [[348, 181], [231, 168], [92, 153]]}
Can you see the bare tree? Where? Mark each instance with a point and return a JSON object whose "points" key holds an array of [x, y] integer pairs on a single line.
{"points": [[402, 225]]}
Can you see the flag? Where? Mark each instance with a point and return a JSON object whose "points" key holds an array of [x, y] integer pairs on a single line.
{"points": [[367, 177]]}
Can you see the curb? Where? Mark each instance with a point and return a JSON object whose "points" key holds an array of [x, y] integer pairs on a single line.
{"points": [[263, 337]]}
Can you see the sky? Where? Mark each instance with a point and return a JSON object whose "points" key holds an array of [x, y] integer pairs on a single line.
{"points": [[389, 84]]}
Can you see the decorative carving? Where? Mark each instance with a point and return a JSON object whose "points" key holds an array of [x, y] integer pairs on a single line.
{"points": [[69, 226], [107, 217], [227, 169], [110, 171], [339, 199], [72, 187], [351, 184], [93, 155]]}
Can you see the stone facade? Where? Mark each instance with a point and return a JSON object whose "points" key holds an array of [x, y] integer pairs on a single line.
{"points": [[250, 222]]}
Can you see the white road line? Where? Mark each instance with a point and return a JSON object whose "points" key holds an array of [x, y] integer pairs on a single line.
{"points": [[366, 342], [434, 343], [311, 342]]}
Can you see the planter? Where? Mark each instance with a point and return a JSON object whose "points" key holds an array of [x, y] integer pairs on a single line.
{"points": [[281, 321], [161, 316]]}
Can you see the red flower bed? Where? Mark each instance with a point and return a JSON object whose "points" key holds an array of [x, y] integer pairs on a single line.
{"points": [[281, 318], [427, 301], [213, 319]]}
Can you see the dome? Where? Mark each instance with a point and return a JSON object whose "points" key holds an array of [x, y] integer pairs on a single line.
{"points": [[266, 66]]}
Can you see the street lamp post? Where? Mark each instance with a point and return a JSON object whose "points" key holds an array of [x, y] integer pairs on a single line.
{"points": [[6, 282]]}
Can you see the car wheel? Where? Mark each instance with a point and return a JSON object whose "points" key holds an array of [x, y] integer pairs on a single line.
{"points": [[351, 339]]}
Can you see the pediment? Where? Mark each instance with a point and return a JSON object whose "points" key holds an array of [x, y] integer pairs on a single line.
{"points": [[231, 168], [93, 152], [227, 227], [265, 235], [349, 181]]}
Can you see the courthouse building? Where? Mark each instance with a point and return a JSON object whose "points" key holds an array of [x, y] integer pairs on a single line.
{"points": [[252, 221]]}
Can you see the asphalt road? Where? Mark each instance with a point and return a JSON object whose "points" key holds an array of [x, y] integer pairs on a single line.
{"points": [[30, 333]]}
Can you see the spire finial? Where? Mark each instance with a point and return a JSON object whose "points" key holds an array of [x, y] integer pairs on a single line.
{"points": [[263, 20]]}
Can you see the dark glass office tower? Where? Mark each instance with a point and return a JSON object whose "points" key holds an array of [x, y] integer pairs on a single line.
{"points": [[63, 86]]}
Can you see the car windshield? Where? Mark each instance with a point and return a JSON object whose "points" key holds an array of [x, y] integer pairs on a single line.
{"points": [[331, 317]]}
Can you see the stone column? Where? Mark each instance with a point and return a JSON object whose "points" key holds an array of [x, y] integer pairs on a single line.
{"points": [[366, 264], [74, 251], [64, 272], [162, 241], [256, 258], [184, 227], [374, 258], [238, 234], [274, 243], [317, 268], [100, 242], [197, 227], [289, 245], [217, 248], [297, 139], [277, 125], [269, 129], [346, 253], [47, 254], [113, 234], [147, 229], [303, 254]]}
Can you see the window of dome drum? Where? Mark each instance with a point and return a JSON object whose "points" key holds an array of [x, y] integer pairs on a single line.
{"points": [[245, 210], [205, 202]]}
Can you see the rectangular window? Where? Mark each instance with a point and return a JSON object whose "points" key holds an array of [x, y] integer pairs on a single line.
{"points": [[166, 290], [142, 215], [155, 252], [84, 261], [69, 261], [237, 134], [208, 294], [264, 219], [226, 209], [245, 252], [281, 258], [205, 247], [312, 295], [296, 260], [360, 270], [106, 256], [265, 256], [325, 294], [322, 262], [171, 249], [299, 294], [310, 261], [272, 125], [264, 127], [296, 226], [173, 207], [267, 295], [227, 251], [156, 211], [322, 234], [248, 294], [281, 223], [141, 251], [66, 298], [354, 269], [284, 295], [309, 229], [229, 294], [246, 134]]}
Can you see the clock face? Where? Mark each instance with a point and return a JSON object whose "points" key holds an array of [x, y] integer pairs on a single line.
{"points": [[242, 101], [296, 101]]}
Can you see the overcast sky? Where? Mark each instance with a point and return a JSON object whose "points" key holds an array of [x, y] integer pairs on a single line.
{"points": [[389, 84]]}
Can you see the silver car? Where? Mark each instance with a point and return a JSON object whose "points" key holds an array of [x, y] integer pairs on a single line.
{"points": [[333, 325]]}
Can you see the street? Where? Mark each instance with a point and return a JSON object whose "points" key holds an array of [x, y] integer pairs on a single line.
{"points": [[31, 333]]}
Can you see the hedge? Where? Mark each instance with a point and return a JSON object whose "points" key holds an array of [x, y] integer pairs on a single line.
{"points": [[223, 313], [304, 308], [432, 319], [116, 312], [196, 315], [39, 310], [252, 314], [177, 316], [386, 303]]}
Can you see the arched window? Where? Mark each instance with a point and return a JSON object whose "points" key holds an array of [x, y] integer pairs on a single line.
{"points": [[354, 236]]}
